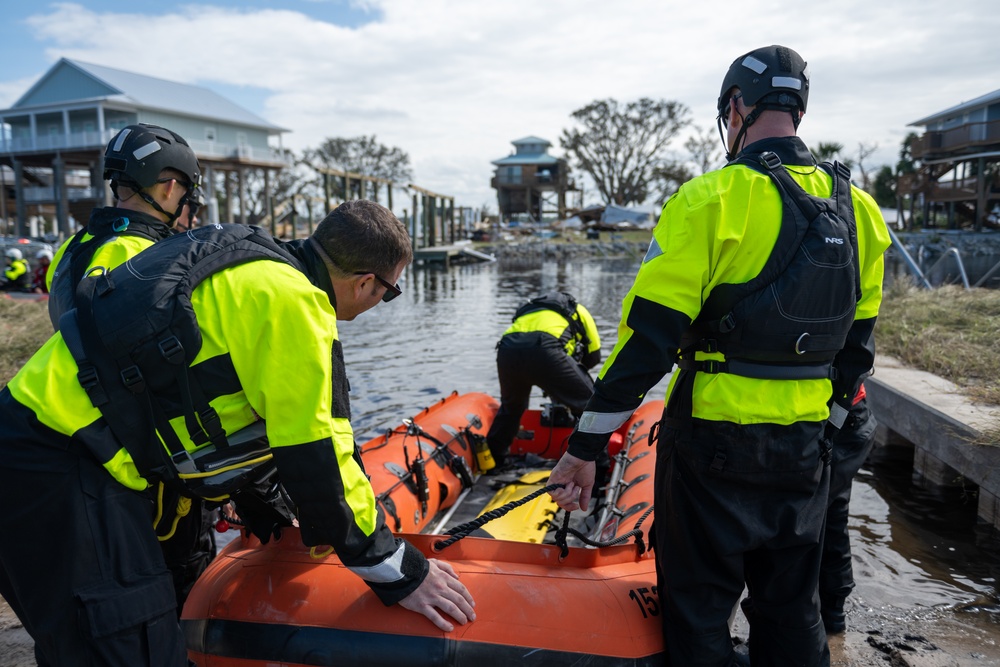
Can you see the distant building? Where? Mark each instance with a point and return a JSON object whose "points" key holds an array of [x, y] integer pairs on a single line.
{"points": [[54, 137], [959, 177], [527, 180]]}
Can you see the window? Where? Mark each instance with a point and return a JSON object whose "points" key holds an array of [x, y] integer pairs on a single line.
{"points": [[511, 175], [209, 134]]}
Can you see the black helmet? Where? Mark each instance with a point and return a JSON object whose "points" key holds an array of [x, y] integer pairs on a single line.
{"points": [[138, 153], [773, 75]]}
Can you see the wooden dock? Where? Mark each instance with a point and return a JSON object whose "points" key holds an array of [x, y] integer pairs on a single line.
{"points": [[448, 254], [947, 431]]}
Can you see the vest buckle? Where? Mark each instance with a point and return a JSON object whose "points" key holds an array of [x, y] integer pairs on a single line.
{"points": [[133, 380], [172, 350]]}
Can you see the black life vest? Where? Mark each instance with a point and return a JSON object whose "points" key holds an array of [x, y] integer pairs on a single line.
{"points": [[564, 304], [78, 254], [134, 334], [791, 320]]}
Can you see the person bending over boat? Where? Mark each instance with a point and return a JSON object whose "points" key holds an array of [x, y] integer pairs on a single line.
{"points": [[216, 331], [754, 282], [551, 344]]}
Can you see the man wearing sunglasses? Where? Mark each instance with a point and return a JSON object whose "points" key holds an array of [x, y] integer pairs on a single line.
{"points": [[259, 325]]}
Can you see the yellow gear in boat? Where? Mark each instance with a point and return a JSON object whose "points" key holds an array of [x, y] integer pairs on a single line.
{"points": [[530, 521]]}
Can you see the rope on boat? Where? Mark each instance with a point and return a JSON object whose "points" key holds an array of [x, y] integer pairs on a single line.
{"points": [[466, 529], [621, 539]]}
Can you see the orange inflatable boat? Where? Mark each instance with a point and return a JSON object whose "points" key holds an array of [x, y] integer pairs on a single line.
{"points": [[548, 591]]}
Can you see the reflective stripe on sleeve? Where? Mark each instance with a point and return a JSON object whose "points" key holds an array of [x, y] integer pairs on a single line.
{"points": [[602, 422], [386, 572], [653, 251]]}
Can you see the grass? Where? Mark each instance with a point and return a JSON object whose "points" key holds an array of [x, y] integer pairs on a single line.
{"points": [[24, 326], [951, 332]]}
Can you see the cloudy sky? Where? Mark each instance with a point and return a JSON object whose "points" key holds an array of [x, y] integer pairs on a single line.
{"points": [[453, 82]]}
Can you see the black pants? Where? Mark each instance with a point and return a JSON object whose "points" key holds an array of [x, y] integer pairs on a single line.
{"points": [[190, 546], [79, 562], [536, 362], [741, 505], [850, 450]]}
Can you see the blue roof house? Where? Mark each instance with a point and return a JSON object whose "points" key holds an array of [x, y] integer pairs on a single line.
{"points": [[526, 177], [54, 138]]}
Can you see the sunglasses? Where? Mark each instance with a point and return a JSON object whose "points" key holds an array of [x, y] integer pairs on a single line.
{"points": [[391, 291], [724, 110], [192, 195]]}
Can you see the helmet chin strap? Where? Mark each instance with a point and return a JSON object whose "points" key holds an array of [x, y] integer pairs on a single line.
{"points": [[746, 122], [171, 217], [750, 120]]}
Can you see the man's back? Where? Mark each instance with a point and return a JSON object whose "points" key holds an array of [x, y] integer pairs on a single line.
{"points": [[720, 229]]}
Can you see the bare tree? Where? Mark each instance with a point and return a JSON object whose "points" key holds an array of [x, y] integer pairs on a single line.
{"points": [[620, 146], [705, 148], [361, 155], [864, 152], [704, 154]]}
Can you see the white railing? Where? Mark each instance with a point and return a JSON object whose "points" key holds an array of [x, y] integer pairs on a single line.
{"points": [[40, 195], [96, 139], [242, 151], [48, 142]]}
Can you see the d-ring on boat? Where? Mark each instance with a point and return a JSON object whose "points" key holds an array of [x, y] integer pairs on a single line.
{"points": [[548, 591]]}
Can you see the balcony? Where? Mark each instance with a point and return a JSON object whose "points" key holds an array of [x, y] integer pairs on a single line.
{"points": [[242, 152], [97, 141], [968, 138], [46, 195], [540, 182], [54, 142]]}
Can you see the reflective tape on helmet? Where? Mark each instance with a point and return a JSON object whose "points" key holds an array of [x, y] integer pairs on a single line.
{"points": [[145, 151], [786, 82], [753, 63], [122, 136]]}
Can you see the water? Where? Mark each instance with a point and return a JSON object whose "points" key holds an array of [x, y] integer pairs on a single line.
{"points": [[440, 335], [918, 556]]}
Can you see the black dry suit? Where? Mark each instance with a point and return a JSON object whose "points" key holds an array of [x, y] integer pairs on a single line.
{"points": [[134, 346], [565, 305], [105, 224], [790, 321]]}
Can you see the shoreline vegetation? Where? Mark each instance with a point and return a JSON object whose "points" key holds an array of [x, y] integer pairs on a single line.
{"points": [[949, 331]]}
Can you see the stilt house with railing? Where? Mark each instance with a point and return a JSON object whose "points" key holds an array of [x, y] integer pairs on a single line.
{"points": [[958, 181], [527, 180], [53, 140]]}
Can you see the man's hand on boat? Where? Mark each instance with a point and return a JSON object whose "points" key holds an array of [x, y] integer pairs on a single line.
{"points": [[578, 477], [441, 590]]}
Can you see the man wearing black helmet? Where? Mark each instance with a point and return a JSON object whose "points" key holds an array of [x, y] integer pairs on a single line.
{"points": [[156, 182], [761, 279]]}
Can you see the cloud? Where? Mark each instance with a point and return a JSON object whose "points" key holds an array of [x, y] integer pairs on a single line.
{"points": [[453, 82]]}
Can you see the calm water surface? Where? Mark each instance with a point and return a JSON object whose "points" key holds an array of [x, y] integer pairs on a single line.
{"points": [[918, 555]]}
